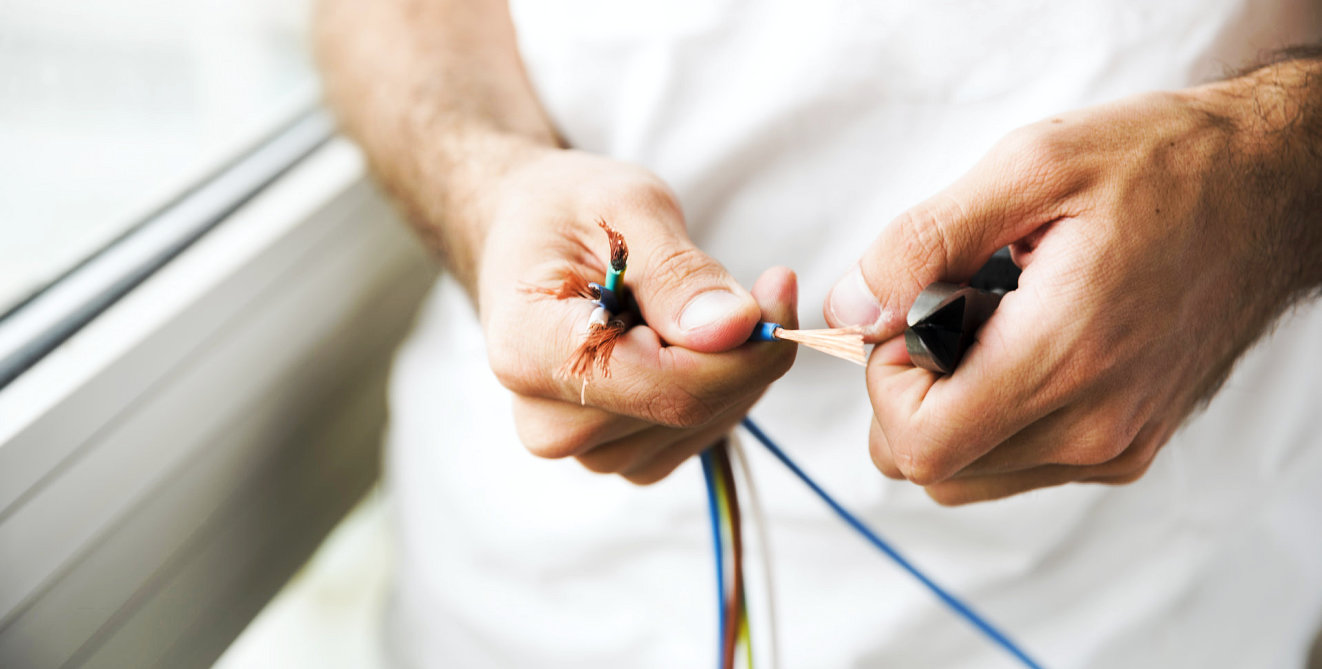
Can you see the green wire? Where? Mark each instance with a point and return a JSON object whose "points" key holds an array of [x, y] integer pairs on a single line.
{"points": [[614, 279]]}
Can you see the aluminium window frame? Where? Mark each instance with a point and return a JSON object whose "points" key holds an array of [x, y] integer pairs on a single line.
{"points": [[167, 465]]}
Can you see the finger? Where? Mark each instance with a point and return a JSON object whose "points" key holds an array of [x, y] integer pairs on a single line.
{"points": [[776, 292], [958, 492], [555, 429], [777, 296], [1019, 370], [629, 452], [892, 352], [1126, 468], [946, 238], [668, 459], [687, 297], [649, 452], [880, 451], [1079, 435]]}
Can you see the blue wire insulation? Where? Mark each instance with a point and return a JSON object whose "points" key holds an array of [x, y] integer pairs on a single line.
{"points": [[608, 300], [765, 331], [713, 509], [957, 605]]}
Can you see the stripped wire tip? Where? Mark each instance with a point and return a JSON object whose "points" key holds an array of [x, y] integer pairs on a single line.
{"points": [[608, 321], [594, 352], [619, 250], [843, 343], [571, 283]]}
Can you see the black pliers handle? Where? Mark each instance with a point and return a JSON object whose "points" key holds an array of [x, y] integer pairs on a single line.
{"points": [[945, 319]]}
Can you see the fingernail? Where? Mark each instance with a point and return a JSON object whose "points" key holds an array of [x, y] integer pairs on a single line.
{"points": [[707, 308], [851, 301]]}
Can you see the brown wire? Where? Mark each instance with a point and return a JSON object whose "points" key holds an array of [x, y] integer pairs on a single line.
{"points": [[595, 351], [619, 250], [733, 611]]}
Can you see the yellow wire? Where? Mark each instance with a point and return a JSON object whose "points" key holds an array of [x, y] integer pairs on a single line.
{"points": [[745, 636], [727, 539]]}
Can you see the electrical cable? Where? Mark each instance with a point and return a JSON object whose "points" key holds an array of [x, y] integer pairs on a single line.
{"points": [[734, 606], [764, 554], [713, 510], [955, 604]]}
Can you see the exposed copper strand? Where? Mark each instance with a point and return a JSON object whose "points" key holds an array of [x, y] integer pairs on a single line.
{"points": [[619, 250], [571, 284], [594, 352], [843, 343]]}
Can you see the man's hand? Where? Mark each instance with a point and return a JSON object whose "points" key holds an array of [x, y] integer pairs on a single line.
{"points": [[1159, 236], [680, 380], [435, 93]]}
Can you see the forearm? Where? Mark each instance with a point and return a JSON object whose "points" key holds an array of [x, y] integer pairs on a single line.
{"points": [[1277, 110], [435, 93]]}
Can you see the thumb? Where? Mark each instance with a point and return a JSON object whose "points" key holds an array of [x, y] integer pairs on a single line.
{"points": [[946, 238], [688, 298]]}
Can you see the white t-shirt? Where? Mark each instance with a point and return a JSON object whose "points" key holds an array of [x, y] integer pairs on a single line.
{"points": [[792, 132]]}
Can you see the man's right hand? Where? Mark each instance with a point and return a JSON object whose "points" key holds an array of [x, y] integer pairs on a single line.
{"points": [[679, 380]]}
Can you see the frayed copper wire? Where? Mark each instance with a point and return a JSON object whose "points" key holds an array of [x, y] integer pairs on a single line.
{"points": [[619, 250], [571, 284], [595, 351]]}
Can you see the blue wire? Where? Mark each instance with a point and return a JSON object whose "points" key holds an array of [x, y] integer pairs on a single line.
{"points": [[709, 474], [951, 600]]}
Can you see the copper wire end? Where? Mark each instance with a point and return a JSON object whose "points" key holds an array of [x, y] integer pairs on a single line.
{"points": [[843, 343], [619, 250], [571, 284], [593, 355]]}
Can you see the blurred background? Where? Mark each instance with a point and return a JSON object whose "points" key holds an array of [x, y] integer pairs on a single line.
{"points": [[200, 294], [111, 109]]}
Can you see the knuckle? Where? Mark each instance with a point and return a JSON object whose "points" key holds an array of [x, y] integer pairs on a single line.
{"points": [[511, 361], [1089, 361], [1043, 157], [653, 196], [1096, 448], [640, 191], [1033, 145], [1134, 462], [1128, 468], [950, 494], [546, 431], [1127, 477], [879, 450], [1107, 435], [923, 244], [646, 478], [671, 267], [609, 462], [918, 459], [549, 444], [509, 370]]}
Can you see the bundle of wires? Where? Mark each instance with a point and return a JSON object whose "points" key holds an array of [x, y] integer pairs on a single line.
{"points": [[605, 326], [957, 605], [727, 540]]}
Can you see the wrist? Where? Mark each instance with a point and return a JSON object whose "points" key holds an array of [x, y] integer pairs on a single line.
{"points": [[457, 186]]}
